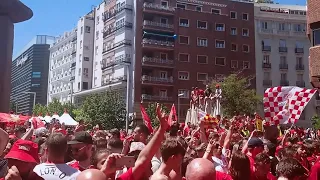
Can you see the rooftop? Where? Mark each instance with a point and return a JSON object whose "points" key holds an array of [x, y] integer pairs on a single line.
{"points": [[282, 6]]}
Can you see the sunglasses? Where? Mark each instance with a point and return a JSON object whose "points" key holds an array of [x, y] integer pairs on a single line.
{"points": [[77, 149]]}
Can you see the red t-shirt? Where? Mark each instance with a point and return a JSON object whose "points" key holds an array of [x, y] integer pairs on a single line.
{"points": [[126, 176], [269, 177], [315, 171], [222, 176], [251, 163], [76, 165]]}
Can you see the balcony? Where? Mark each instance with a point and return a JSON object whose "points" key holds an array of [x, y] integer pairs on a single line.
{"points": [[283, 32], [157, 8], [283, 49], [299, 50], [299, 33], [266, 48], [74, 50], [299, 67], [74, 39], [117, 28], [157, 25], [266, 31], [109, 15], [106, 82], [116, 61], [284, 83], [283, 66], [157, 80], [164, 45], [301, 84], [267, 83], [157, 62], [118, 44], [73, 65], [266, 65], [72, 78], [155, 98]]}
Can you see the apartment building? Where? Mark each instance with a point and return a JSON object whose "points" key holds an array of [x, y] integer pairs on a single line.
{"points": [[71, 59], [188, 43], [282, 50]]}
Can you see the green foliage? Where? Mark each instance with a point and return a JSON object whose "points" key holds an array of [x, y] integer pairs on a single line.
{"points": [[54, 107], [315, 121], [13, 107], [40, 109], [237, 97], [106, 109], [151, 111]]}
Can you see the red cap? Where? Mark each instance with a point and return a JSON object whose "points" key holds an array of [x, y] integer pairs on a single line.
{"points": [[24, 150]]}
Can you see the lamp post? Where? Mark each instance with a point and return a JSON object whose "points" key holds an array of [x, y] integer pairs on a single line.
{"points": [[127, 64], [179, 96], [34, 97]]}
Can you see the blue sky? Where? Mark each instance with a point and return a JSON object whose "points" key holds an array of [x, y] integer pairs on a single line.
{"points": [[53, 17]]}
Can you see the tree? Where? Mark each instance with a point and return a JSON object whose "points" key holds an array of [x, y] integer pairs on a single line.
{"points": [[40, 109], [55, 106], [106, 109], [237, 97], [13, 106], [315, 121], [151, 111]]}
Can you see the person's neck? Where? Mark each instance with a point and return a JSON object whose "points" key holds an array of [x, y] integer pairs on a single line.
{"points": [[165, 169], [56, 160], [85, 163]]}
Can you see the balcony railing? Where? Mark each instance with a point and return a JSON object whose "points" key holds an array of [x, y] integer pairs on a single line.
{"points": [[283, 49], [72, 78], [299, 50], [155, 98], [166, 44], [284, 82], [113, 80], [266, 31], [299, 33], [300, 67], [156, 80], [266, 48], [118, 44], [114, 29], [73, 65], [283, 66], [109, 15], [301, 84], [74, 50], [157, 61], [115, 62], [157, 24], [283, 32], [159, 7], [267, 82], [266, 65]]}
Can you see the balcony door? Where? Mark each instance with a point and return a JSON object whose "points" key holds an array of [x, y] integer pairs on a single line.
{"points": [[163, 75], [163, 56], [163, 93], [283, 76]]}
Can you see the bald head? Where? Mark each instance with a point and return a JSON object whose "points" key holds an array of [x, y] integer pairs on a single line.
{"points": [[91, 174], [200, 169]]}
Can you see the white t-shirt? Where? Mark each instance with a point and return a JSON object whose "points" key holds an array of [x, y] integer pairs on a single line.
{"points": [[220, 165], [49, 171]]}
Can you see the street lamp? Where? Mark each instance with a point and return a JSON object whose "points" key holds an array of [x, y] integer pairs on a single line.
{"points": [[179, 96], [34, 97], [127, 64]]}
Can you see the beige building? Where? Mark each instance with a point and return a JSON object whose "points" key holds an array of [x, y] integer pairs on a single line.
{"points": [[282, 50]]}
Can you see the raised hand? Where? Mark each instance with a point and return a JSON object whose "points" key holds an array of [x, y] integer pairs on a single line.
{"points": [[13, 174], [108, 166]]}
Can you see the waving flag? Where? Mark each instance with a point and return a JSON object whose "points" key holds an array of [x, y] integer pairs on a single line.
{"points": [[146, 118], [172, 114]]}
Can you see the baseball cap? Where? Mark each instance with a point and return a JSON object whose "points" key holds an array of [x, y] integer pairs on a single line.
{"points": [[81, 137], [255, 142], [24, 150]]}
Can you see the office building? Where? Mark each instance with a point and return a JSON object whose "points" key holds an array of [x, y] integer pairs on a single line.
{"points": [[282, 50], [29, 74]]}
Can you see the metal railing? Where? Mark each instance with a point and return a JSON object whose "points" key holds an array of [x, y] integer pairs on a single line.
{"points": [[299, 67], [158, 7], [283, 49], [157, 42], [118, 44], [266, 48], [266, 65], [157, 24], [116, 62], [157, 60], [114, 29], [299, 50], [114, 12], [283, 66], [113, 80], [156, 98], [157, 79]]}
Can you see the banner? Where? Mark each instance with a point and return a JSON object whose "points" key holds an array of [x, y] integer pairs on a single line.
{"points": [[171, 115], [146, 118]]}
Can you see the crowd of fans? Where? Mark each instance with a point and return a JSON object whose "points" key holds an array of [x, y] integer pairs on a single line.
{"points": [[228, 151]]}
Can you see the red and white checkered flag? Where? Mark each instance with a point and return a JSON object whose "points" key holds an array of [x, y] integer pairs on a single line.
{"points": [[285, 104]]}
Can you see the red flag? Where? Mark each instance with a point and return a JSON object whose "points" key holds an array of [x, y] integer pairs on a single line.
{"points": [[146, 118], [172, 113], [37, 123]]}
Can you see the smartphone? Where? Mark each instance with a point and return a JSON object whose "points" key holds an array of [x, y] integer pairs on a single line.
{"points": [[125, 161]]}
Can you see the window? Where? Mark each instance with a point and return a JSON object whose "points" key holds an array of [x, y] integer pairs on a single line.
{"points": [[283, 76], [299, 61], [184, 22], [266, 59], [184, 57], [163, 74], [266, 75], [300, 77], [183, 39], [85, 70], [220, 44], [164, 20], [86, 58], [219, 27], [202, 59], [202, 24], [36, 74], [266, 42], [234, 64], [79, 72], [78, 85], [283, 60], [35, 85], [264, 25], [299, 44], [234, 47], [163, 56], [202, 76], [88, 29], [283, 27], [215, 11], [316, 37], [85, 85], [219, 77], [80, 57], [233, 31], [203, 42], [183, 75], [198, 8], [80, 44], [246, 64], [181, 6], [245, 48], [185, 93], [245, 32], [97, 35], [163, 93], [221, 61], [233, 15], [86, 47], [81, 30], [245, 16], [164, 4], [282, 43]]}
